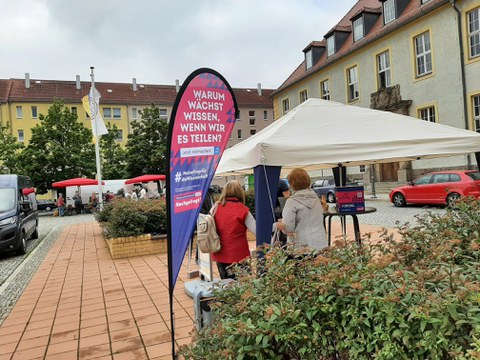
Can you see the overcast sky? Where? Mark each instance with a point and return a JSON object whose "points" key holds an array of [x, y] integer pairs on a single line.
{"points": [[158, 41]]}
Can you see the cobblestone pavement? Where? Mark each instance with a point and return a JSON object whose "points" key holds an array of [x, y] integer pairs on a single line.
{"points": [[388, 215], [16, 271]]}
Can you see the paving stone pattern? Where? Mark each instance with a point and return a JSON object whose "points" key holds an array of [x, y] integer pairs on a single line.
{"points": [[49, 229]]}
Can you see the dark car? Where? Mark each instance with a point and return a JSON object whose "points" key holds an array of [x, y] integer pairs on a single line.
{"points": [[18, 213], [46, 205], [326, 186], [439, 188]]}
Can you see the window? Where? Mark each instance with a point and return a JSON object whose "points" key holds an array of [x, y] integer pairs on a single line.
{"points": [[383, 66], [265, 115], [303, 96], [74, 110], [309, 59], [119, 136], [425, 1], [163, 113], [325, 90], [20, 136], [34, 112], [389, 11], [239, 133], [423, 180], [440, 178], [476, 112], [352, 78], [285, 106], [428, 114], [238, 115], [474, 33], [253, 132], [358, 32], [19, 112], [117, 113], [330, 45], [423, 54], [107, 113], [251, 117], [134, 113]]}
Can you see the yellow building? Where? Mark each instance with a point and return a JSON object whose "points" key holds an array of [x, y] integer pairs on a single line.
{"points": [[23, 100]]}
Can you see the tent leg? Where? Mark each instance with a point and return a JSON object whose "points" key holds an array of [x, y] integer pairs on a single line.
{"points": [[265, 176], [340, 175]]}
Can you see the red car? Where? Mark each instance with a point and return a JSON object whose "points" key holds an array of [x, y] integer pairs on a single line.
{"points": [[440, 187]]}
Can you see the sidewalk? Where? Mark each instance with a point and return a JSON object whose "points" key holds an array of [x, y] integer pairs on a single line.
{"points": [[81, 304]]}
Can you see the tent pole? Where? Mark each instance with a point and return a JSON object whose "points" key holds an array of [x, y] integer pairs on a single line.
{"points": [[265, 176]]}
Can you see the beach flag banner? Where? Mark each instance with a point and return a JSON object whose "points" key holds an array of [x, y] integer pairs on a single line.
{"points": [[202, 119], [91, 104]]}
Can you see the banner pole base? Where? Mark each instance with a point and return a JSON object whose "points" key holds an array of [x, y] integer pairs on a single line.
{"points": [[193, 274]]}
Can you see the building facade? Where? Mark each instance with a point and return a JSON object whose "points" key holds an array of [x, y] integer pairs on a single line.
{"points": [[415, 57], [23, 100]]}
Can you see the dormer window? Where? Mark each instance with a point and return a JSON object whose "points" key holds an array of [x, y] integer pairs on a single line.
{"points": [[358, 29], [309, 58], [389, 11], [331, 45]]}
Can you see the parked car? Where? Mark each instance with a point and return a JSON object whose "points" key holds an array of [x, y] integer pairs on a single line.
{"points": [[18, 213], [326, 186], [440, 188], [46, 205]]}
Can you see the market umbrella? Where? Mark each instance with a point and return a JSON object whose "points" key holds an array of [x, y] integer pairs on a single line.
{"points": [[75, 182], [145, 179]]}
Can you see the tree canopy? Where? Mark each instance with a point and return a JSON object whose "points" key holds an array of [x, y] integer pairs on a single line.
{"points": [[9, 147], [113, 155], [60, 148], [146, 146]]}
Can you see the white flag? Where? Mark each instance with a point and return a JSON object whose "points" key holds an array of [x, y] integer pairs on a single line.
{"points": [[93, 104]]}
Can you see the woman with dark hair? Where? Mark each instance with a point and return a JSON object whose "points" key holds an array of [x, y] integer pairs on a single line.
{"points": [[232, 219], [302, 216]]}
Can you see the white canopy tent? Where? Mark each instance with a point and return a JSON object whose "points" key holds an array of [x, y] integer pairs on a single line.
{"points": [[320, 134]]}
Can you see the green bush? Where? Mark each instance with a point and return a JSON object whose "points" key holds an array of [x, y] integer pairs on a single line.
{"points": [[250, 201], [418, 298], [124, 217]]}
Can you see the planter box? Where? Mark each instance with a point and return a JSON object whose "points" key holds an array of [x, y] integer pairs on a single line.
{"points": [[129, 246]]}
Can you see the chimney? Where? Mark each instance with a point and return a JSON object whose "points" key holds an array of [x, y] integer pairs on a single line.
{"points": [[78, 84], [134, 84], [27, 80], [259, 89], [177, 85]]}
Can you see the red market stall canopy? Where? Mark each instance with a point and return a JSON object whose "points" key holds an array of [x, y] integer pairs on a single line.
{"points": [[75, 182], [145, 179]]}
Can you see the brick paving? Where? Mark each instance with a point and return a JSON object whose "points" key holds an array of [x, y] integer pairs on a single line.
{"points": [[81, 304]]}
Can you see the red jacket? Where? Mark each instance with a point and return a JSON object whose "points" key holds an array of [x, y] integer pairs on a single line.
{"points": [[230, 223]]}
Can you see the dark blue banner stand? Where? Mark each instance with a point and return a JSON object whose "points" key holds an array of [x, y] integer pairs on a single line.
{"points": [[265, 176]]}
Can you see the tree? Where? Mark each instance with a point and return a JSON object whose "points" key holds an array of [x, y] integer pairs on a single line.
{"points": [[60, 148], [113, 155], [9, 149], [147, 144]]}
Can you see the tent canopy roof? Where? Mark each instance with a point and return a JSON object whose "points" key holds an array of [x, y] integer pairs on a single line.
{"points": [[145, 178], [75, 182], [320, 134]]}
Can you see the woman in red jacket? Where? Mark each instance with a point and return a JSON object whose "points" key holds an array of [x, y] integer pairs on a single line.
{"points": [[232, 219]]}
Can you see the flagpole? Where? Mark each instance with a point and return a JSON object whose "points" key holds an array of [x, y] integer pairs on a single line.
{"points": [[97, 148]]}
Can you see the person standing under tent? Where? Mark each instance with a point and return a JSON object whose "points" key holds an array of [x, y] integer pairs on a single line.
{"points": [[61, 205], [77, 201], [232, 219], [302, 216]]}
